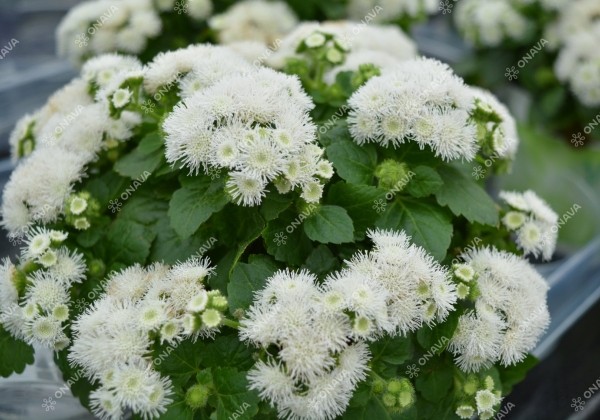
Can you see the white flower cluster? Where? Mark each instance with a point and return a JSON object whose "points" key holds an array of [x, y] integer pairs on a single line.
{"points": [[374, 44], [392, 9], [35, 295], [490, 23], [578, 61], [191, 69], [255, 125], [62, 138], [113, 338], [422, 100], [504, 134], [320, 331], [533, 221], [510, 311], [254, 20], [101, 26]]}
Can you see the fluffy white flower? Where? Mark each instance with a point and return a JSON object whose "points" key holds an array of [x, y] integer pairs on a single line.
{"points": [[503, 327], [535, 224], [390, 10], [353, 36], [421, 100], [226, 127], [491, 23], [254, 20], [100, 26]]}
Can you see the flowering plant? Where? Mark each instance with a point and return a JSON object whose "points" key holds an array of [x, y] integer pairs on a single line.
{"points": [[544, 46], [209, 238]]}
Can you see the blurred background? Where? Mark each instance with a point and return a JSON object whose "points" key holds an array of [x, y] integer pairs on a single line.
{"points": [[549, 162]]}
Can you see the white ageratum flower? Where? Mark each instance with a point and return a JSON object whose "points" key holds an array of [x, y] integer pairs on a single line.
{"points": [[505, 138], [578, 62], [391, 10], [257, 141], [535, 224], [113, 338], [191, 69], [8, 289], [304, 380], [510, 311], [254, 20], [121, 97], [127, 25], [420, 288], [490, 24], [376, 44], [420, 100]]}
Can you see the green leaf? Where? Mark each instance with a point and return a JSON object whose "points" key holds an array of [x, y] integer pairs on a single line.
{"points": [[227, 351], [427, 224], [247, 279], [129, 241], [424, 182], [170, 248], [353, 163], [360, 203], [146, 157], [178, 410], [233, 396], [285, 239], [273, 204], [321, 261], [180, 362], [437, 338], [435, 381], [365, 405], [14, 354], [512, 375], [194, 203], [392, 350], [465, 197], [329, 224]]}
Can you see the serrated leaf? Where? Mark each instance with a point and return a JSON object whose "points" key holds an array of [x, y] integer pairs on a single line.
{"points": [[353, 163], [233, 396], [247, 279], [361, 203], [129, 241], [424, 182], [180, 362], [465, 197], [435, 380], [273, 205], [436, 338], [427, 224], [392, 350], [170, 248], [15, 355], [329, 224], [285, 239], [321, 261], [146, 157], [194, 203], [227, 351]]}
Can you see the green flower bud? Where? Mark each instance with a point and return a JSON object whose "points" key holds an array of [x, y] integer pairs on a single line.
{"points": [[392, 175], [197, 396]]}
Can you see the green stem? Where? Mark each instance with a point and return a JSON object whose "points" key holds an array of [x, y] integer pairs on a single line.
{"points": [[231, 323]]}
